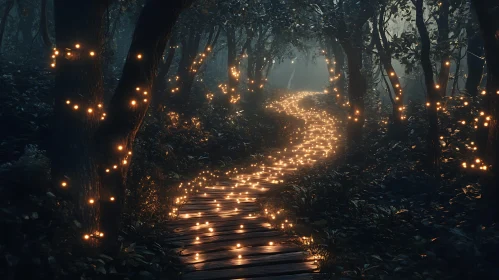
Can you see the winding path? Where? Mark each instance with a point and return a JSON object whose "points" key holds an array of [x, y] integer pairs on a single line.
{"points": [[223, 232]]}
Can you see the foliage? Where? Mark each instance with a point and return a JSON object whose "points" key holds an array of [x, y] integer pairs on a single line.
{"points": [[377, 218]]}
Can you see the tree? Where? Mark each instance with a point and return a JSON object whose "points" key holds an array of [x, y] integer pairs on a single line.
{"points": [[474, 54], [44, 30], [3, 23], [385, 57], [92, 147], [432, 92], [344, 20], [488, 14]]}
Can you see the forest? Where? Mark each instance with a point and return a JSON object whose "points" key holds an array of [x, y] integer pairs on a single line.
{"points": [[249, 139]]}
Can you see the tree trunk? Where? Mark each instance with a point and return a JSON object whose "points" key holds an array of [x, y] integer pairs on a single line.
{"points": [[443, 45], [78, 88], [90, 159], [26, 15], [488, 13], [339, 64], [432, 95], [159, 88], [386, 60], [185, 72], [232, 65], [256, 66], [473, 57], [44, 30], [129, 105], [291, 78], [3, 23], [357, 87]]}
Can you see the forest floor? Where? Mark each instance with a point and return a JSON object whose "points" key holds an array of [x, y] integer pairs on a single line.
{"points": [[374, 213]]}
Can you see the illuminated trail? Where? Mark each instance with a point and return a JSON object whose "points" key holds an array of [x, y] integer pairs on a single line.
{"points": [[225, 235]]}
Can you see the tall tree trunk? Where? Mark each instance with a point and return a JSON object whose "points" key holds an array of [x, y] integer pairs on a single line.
{"points": [[91, 159], [432, 95], [78, 88], [339, 64], [443, 45], [386, 60], [487, 14], [474, 55], [3, 23], [357, 87], [335, 63], [44, 30], [291, 78], [232, 65], [129, 106], [26, 15], [159, 88], [256, 66]]}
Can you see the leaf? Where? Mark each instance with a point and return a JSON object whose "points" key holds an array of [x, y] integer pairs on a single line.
{"points": [[377, 257], [77, 224], [11, 260], [101, 269], [130, 248], [106, 257]]}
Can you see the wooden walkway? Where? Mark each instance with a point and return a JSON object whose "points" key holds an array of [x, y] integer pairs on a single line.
{"points": [[222, 230]]}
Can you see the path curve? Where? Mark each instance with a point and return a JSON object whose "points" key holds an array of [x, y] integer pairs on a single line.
{"points": [[223, 232]]}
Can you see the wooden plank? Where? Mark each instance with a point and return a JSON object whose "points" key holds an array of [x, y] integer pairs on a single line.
{"points": [[213, 219], [301, 276], [210, 201], [249, 261], [270, 270], [247, 224], [251, 251], [218, 232], [212, 247], [213, 207], [232, 238]]}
